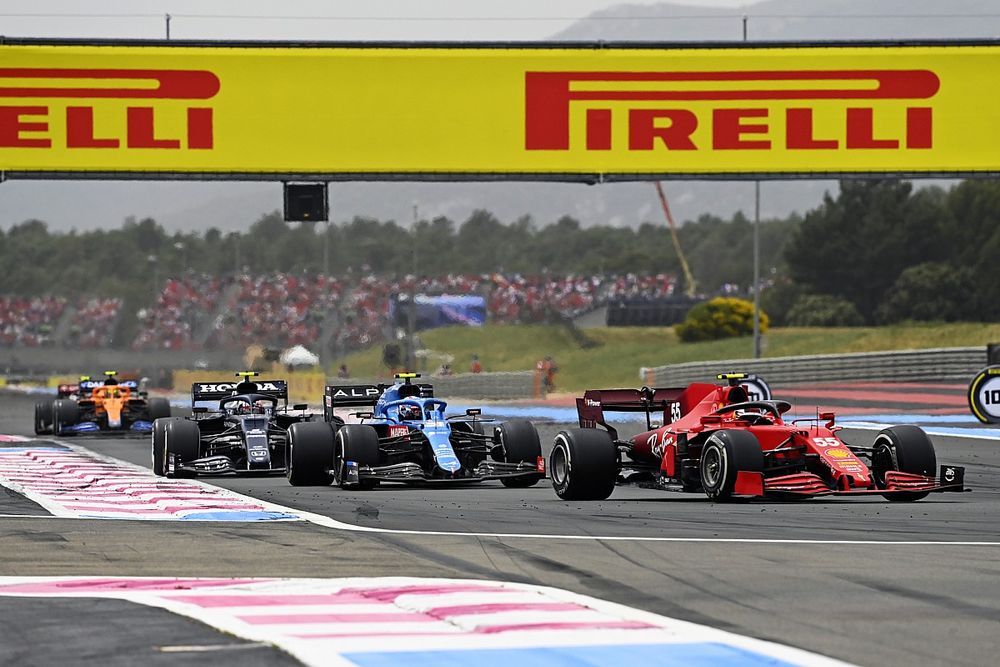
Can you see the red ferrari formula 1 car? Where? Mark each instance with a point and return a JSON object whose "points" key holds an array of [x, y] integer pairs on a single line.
{"points": [[714, 439]]}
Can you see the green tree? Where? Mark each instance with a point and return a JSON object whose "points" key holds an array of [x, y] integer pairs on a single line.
{"points": [[855, 246], [933, 291], [823, 310]]}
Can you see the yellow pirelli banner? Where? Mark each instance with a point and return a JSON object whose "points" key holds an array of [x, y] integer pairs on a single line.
{"points": [[339, 112]]}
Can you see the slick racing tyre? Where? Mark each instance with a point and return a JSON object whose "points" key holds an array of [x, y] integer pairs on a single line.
{"points": [[519, 443], [159, 453], [183, 443], [583, 464], [724, 454], [357, 443], [906, 449], [310, 454], [158, 407], [43, 417], [64, 413]]}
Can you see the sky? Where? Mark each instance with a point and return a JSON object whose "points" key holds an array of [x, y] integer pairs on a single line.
{"points": [[449, 20]]}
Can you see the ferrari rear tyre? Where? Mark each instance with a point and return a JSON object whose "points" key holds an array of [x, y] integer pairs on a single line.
{"points": [[158, 448], [357, 443], [43, 417], [182, 442], [906, 449], [725, 454], [519, 443], [583, 464], [64, 413], [158, 407], [310, 454]]}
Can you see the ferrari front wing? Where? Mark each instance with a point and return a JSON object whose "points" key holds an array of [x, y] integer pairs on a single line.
{"points": [[950, 479]]}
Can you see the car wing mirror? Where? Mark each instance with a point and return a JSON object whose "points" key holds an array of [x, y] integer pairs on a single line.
{"points": [[300, 406], [199, 410]]}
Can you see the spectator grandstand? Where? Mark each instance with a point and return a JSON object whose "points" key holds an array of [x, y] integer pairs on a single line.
{"points": [[283, 309], [278, 309], [29, 321], [184, 305], [93, 323]]}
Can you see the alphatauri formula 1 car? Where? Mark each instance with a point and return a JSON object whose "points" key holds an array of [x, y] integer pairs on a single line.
{"points": [[99, 406], [714, 440], [407, 437], [234, 428]]}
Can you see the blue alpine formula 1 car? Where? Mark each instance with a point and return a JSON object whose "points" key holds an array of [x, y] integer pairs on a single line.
{"points": [[407, 437]]}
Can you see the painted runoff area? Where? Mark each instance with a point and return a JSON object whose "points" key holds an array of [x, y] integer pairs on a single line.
{"points": [[385, 622], [69, 481]]}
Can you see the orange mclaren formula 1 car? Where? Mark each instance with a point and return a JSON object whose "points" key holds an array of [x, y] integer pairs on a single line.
{"points": [[714, 439], [108, 405]]}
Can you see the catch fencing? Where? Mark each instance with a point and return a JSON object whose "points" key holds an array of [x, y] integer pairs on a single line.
{"points": [[948, 364]]}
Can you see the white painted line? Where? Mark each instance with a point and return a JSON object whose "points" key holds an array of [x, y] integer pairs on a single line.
{"points": [[209, 648]]}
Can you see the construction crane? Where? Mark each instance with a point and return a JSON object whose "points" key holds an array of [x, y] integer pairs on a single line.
{"points": [[688, 277]]}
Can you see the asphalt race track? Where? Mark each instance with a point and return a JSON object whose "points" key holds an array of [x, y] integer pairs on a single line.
{"points": [[861, 580]]}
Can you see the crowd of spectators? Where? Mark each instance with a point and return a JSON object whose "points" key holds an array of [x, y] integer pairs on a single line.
{"points": [[284, 309], [365, 312], [528, 299], [29, 321], [182, 308], [278, 309], [94, 322], [631, 286]]}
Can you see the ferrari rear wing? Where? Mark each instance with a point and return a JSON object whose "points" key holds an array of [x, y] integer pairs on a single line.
{"points": [[595, 402]]}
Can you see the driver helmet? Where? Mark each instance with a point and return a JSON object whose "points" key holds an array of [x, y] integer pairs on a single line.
{"points": [[242, 408], [409, 411]]}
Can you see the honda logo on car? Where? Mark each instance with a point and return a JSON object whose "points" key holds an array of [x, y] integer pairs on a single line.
{"points": [[230, 386], [145, 97]]}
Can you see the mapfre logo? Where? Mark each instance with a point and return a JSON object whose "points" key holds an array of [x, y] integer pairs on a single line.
{"points": [[28, 125], [663, 110]]}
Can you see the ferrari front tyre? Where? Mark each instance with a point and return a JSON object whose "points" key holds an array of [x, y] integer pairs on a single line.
{"points": [[182, 442], [905, 449], [583, 464], [725, 454], [158, 407], [43, 417], [357, 443], [64, 413], [310, 454], [519, 443], [158, 448]]}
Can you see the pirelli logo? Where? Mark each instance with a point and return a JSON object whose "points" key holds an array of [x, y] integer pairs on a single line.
{"points": [[672, 110], [34, 102]]}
